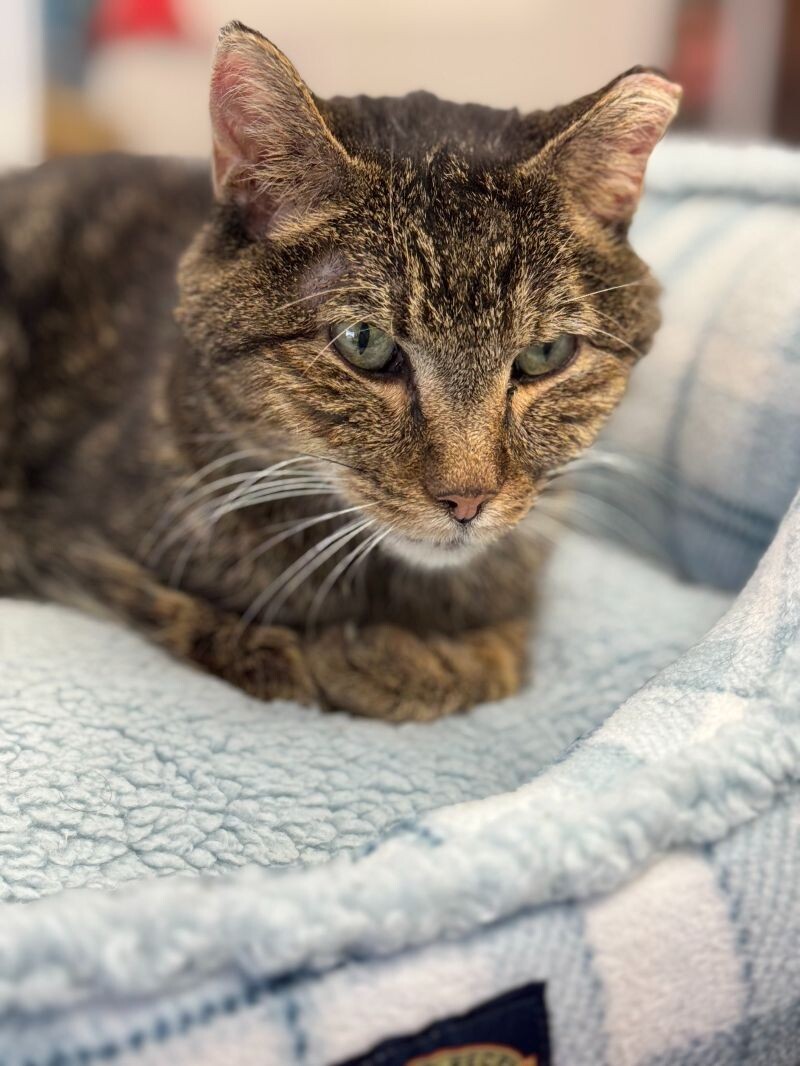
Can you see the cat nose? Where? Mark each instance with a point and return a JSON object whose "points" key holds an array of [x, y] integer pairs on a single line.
{"points": [[465, 508]]}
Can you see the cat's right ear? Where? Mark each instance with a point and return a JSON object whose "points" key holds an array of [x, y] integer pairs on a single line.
{"points": [[599, 159], [273, 153]]}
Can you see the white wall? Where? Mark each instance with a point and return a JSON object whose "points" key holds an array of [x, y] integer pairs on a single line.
{"points": [[532, 53], [20, 83], [529, 53]]}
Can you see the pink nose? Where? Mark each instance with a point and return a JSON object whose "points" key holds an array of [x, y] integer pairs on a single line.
{"points": [[465, 508]]}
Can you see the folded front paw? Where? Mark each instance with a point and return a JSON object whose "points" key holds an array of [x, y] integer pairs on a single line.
{"points": [[383, 671], [268, 662]]}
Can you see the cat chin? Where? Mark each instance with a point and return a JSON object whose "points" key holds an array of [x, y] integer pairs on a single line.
{"points": [[426, 555]]}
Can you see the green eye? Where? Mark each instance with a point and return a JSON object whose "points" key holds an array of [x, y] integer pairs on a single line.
{"points": [[363, 345], [537, 360]]}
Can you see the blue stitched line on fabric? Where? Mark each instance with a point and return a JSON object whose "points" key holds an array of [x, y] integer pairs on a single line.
{"points": [[163, 1029], [732, 905], [600, 1035], [299, 1038]]}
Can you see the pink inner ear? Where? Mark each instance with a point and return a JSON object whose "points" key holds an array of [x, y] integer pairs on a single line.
{"points": [[233, 150], [273, 154], [615, 149], [229, 148], [621, 187]]}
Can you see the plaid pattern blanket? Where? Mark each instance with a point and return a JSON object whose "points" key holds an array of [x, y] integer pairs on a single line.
{"points": [[625, 834]]}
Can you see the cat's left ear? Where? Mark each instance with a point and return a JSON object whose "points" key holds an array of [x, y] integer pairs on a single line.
{"points": [[274, 154], [600, 158]]}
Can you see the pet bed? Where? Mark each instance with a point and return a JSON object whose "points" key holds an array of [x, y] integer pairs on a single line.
{"points": [[604, 869]]}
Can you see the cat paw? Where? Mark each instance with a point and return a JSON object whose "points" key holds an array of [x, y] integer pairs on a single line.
{"points": [[383, 671], [268, 662]]}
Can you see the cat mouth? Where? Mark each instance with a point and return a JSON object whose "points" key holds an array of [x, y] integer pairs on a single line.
{"points": [[428, 554]]}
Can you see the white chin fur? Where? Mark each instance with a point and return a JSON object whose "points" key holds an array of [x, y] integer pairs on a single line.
{"points": [[428, 556]]}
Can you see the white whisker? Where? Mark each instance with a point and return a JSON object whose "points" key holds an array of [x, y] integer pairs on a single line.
{"points": [[651, 474], [298, 527], [256, 495], [202, 519], [313, 296], [361, 551], [181, 562], [391, 196], [272, 598], [601, 515], [540, 514], [328, 346], [611, 288], [328, 459], [205, 528], [183, 500], [249, 489], [186, 484], [231, 479], [619, 340]]}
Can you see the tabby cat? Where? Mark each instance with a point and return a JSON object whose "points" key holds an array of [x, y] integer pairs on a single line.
{"points": [[290, 430]]}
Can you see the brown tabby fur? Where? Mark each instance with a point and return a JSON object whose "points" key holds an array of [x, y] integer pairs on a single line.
{"points": [[464, 232]]}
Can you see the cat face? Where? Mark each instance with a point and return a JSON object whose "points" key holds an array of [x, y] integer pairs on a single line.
{"points": [[441, 325]]}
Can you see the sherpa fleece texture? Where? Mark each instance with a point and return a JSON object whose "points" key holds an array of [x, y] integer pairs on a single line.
{"points": [[625, 830]]}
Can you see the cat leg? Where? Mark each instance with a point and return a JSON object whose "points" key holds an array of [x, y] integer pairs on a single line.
{"points": [[265, 661], [382, 671]]}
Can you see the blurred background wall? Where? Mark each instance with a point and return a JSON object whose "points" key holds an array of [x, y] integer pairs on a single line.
{"points": [[83, 75], [21, 83]]}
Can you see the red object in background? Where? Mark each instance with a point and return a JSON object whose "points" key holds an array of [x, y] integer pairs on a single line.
{"points": [[696, 56], [115, 19]]}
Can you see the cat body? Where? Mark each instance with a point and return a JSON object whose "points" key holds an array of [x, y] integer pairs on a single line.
{"points": [[290, 429]]}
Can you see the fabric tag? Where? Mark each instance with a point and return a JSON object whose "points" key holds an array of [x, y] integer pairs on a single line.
{"points": [[508, 1031]]}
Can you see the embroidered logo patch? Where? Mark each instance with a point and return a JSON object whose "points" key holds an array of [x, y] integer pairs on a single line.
{"points": [[508, 1031]]}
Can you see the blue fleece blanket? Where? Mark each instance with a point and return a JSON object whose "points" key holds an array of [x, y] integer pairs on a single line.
{"points": [[190, 877]]}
